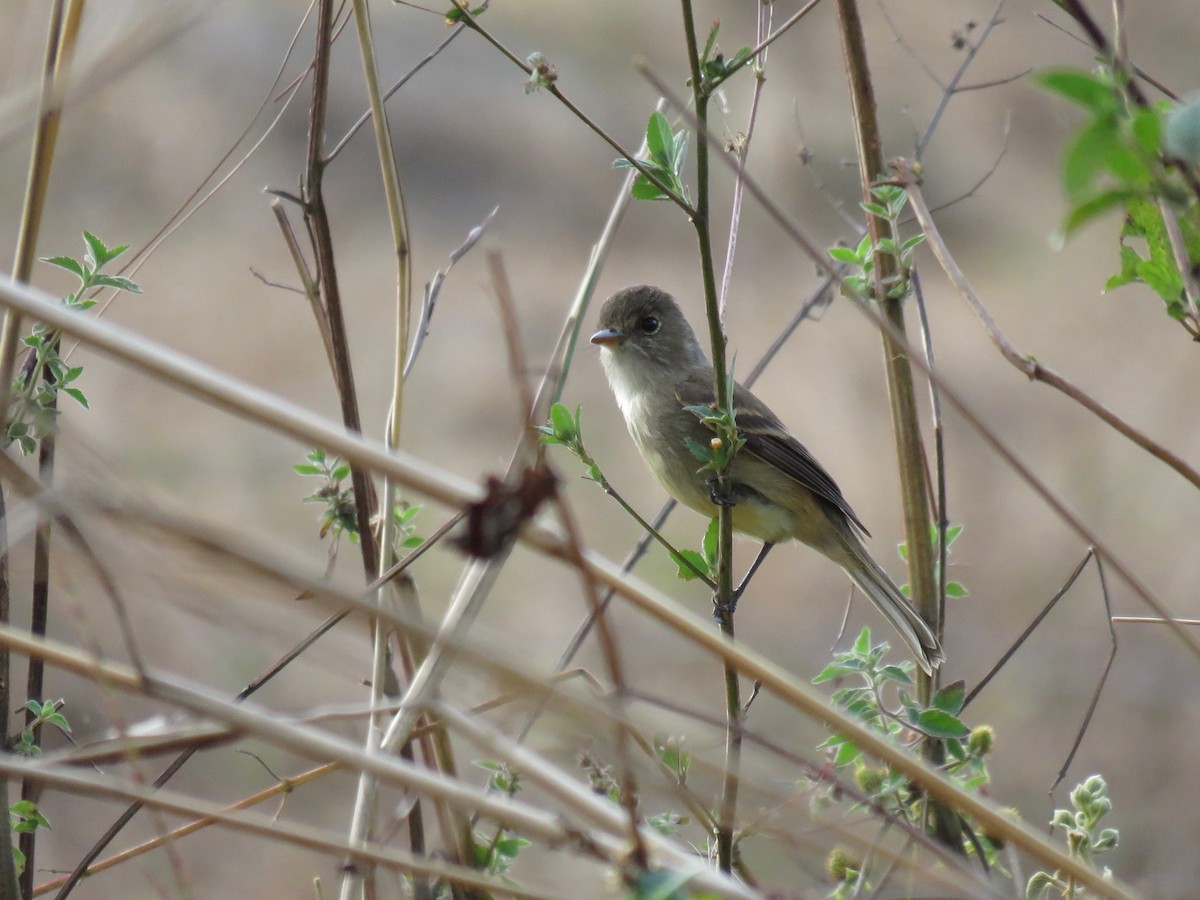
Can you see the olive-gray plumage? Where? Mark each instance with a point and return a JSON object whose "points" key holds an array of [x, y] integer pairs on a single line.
{"points": [[657, 368]]}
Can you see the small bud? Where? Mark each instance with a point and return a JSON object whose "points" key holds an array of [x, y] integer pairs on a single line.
{"points": [[868, 779], [716, 443], [980, 741], [841, 865]]}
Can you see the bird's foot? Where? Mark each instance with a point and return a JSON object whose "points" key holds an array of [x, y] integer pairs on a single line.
{"points": [[722, 494], [723, 612]]}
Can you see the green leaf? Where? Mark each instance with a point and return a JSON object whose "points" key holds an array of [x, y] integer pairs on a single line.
{"points": [[119, 282], [954, 589], [1088, 155], [101, 253], [1162, 278], [940, 724], [696, 559], [862, 645], [1147, 130], [78, 396], [65, 262], [1090, 91], [711, 543], [510, 847], [304, 469], [1093, 208], [846, 754], [563, 422], [950, 698], [712, 40], [645, 189], [896, 673], [456, 15], [671, 754], [699, 450], [845, 255], [832, 671], [659, 140], [679, 156], [739, 59]]}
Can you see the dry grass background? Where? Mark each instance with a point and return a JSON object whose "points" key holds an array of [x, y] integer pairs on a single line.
{"points": [[136, 142]]}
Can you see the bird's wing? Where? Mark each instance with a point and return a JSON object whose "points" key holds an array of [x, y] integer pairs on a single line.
{"points": [[768, 439]]}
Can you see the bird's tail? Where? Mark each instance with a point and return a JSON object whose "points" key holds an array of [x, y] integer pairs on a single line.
{"points": [[882, 591]]}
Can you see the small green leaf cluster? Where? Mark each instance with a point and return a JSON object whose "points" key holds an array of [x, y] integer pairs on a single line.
{"points": [[720, 451], [1114, 156], [33, 408], [674, 758], [666, 152], [847, 873], [24, 818], [953, 588], [714, 67], [702, 563], [677, 761], [1131, 157], [461, 11], [496, 853], [339, 516], [1085, 838], [44, 713], [1157, 268], [889, 204], [567, 429], [884, 788]]}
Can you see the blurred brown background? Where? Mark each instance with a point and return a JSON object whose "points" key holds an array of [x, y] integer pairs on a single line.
{"points": [[135, 142]]}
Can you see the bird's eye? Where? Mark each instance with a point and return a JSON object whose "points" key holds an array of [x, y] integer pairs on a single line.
{"points": [[649, 325]]}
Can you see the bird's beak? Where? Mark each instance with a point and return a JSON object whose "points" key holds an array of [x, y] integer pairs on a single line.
{"points": [[609, 337]]}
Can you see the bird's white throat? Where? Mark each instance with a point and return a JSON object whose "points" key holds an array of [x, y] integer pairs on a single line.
{"points": [[624, 384]]}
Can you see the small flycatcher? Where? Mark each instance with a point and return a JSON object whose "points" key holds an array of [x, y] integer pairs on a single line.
{"points": [[778, 491]]}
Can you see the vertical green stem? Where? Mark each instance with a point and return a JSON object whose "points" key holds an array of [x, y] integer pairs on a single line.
{"points": [[914, 486], [727, 810]]}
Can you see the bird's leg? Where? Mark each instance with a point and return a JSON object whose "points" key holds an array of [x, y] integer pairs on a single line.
{"points": [[737, 594]]}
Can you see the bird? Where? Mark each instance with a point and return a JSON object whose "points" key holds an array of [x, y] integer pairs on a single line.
{"points": [[776, 488]]}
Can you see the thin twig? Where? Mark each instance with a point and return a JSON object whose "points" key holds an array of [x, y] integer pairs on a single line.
{"points": [[554, 91], [741, 147], [1137, 70], [1034, 370], [767, 41], [939, 454], [1029, 629], [1112, 655], [953, 87]]}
